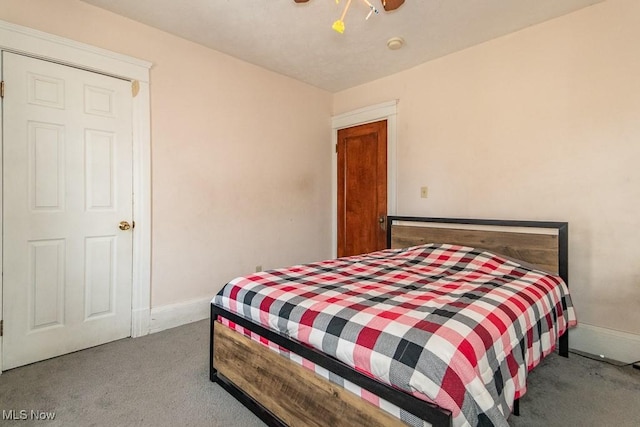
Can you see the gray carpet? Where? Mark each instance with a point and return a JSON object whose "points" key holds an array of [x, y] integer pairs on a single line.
{"points": [[157, 380], [162, 380]]}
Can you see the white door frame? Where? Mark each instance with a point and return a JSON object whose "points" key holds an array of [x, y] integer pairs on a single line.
{"points": [[27, 41], [384, 111]]}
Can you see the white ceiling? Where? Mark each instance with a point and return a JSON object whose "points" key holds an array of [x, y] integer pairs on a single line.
{"points": [[297, 40]]}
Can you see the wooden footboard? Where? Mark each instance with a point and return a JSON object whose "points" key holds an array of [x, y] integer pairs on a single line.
{"points": [[283, 393], [310, 399]]}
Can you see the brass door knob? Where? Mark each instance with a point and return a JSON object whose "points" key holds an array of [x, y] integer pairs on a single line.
{"points": [[124, 225], [383, 222]]}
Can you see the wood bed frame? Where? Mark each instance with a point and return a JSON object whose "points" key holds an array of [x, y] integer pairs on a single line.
{"points": [[281, 392]]}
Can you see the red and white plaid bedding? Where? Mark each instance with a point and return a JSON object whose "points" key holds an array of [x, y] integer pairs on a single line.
{"points": [[449, 324]]}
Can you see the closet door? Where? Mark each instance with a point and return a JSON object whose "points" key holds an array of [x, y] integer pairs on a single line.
{"points": [[67, 186]]}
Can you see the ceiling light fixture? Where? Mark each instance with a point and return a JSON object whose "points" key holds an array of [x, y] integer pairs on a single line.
{"points": [[388, 5]]}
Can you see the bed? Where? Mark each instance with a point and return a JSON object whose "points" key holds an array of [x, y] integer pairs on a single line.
{"points": [[402, 336]]}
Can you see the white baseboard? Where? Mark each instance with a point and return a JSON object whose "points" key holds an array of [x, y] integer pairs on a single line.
{"points": [[612, 344], [172, 315]]}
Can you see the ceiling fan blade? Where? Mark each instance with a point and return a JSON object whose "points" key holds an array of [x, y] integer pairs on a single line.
{"points": [[391, 4], [300, 1]]}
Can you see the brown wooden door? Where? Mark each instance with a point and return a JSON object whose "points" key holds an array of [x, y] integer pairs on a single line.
{"points": [[362, 188]]}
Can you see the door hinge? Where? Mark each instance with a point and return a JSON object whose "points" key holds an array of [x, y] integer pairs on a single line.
{"points": [[336, 148], [135, 88], [2, 89], [1, 328]]}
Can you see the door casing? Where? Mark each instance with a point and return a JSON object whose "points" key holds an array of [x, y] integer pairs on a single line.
{"points": [[384, 111], [30, 42]]}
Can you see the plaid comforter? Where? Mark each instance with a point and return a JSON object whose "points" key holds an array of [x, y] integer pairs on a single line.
{"points": [[452, 325]]}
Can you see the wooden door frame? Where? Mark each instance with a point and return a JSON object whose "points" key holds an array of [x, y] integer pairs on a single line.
{"points": [[384, 111], [38, 44]]}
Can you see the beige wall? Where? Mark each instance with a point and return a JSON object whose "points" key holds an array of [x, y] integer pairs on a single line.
{"points": [[241, 169], [540, 124]]}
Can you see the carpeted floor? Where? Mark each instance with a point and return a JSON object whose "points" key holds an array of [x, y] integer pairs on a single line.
{"points": [[162, 380]]}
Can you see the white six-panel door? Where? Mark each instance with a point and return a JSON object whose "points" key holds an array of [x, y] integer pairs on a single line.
{"points": [[67, 184]]}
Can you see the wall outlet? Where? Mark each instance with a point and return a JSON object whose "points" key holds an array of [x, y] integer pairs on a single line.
{"points": [[258, 268], [424, 192]]}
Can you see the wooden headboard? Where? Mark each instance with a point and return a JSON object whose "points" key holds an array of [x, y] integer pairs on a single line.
{"points": [[543, 244]]}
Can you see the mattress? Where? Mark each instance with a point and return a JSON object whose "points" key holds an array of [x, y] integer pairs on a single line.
{"points": [[453, 325]]}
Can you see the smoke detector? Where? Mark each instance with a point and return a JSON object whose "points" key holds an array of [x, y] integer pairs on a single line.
{"points": [[395, 43]]}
